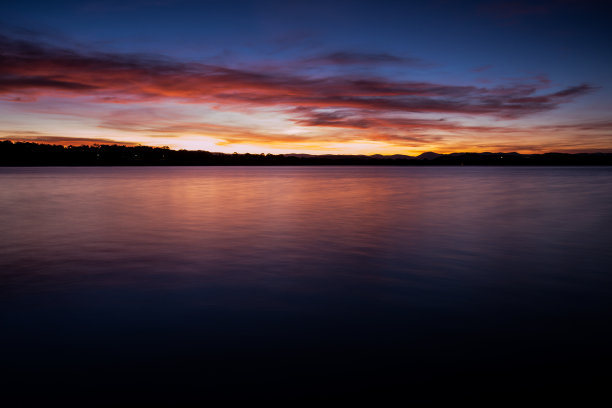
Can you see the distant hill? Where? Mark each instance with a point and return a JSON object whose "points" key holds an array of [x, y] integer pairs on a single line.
{"points": [[37, 154], [428, 156]]}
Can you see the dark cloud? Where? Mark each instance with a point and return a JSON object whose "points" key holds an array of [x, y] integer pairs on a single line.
{"points": [[361, 58], [332, 119], [574, 91], [359, 119], [13, 82], [550, 101]]}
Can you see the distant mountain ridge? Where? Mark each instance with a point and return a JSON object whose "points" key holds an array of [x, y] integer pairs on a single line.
{"points": [[37, 154]]}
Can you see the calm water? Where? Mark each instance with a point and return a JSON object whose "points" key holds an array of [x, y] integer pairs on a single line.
{"points": [[175, 284]]}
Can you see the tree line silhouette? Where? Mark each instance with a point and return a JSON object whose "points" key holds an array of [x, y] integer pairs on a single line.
{"points": [[39, 154]]}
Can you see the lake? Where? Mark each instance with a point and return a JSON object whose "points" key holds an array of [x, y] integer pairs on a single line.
{"points": [[181, 284]]}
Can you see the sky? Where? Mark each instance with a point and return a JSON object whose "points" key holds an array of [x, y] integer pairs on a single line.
{"points": [[318, 77]]}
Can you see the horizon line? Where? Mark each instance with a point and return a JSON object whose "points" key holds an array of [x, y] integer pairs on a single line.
{"points": [[102, 143]]}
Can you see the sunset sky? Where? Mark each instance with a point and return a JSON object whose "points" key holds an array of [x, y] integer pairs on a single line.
{"points": [[356, 77]]}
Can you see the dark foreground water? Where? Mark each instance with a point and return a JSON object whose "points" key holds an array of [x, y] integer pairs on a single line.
{"points": [[175, 285]]}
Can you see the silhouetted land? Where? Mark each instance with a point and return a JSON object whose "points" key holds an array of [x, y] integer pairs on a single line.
{"points": [[36, 154]]}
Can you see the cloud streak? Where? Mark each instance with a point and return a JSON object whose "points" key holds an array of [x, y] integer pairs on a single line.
{"points": [[32, 69], [362, 58]]}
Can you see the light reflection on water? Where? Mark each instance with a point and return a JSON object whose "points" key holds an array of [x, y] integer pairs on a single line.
{"points": [[134, 265]]}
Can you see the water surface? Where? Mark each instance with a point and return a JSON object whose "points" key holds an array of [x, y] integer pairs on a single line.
{"points": [[261, 282]]}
